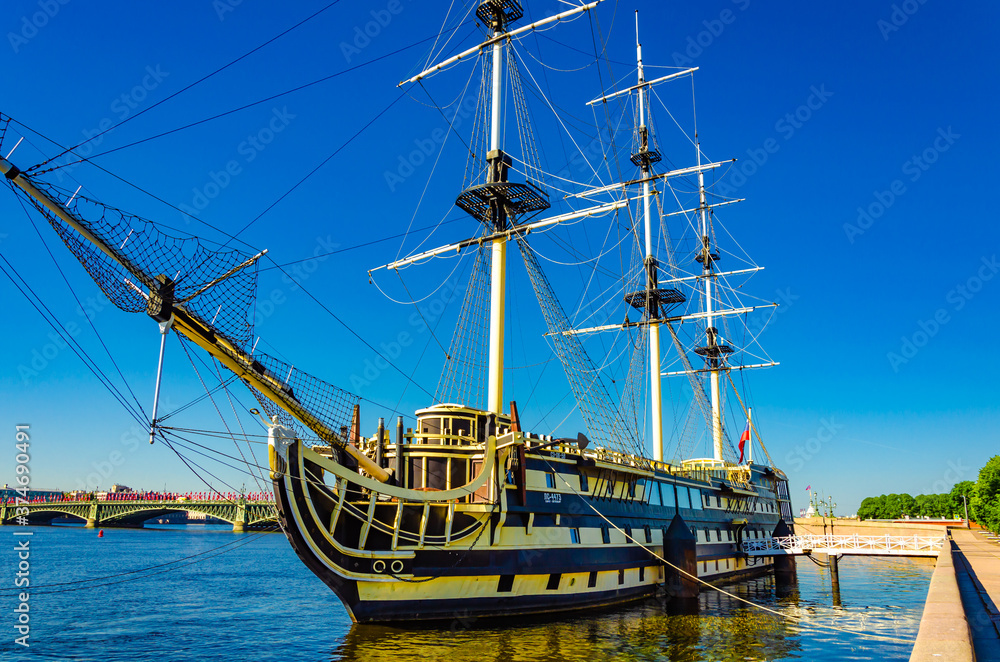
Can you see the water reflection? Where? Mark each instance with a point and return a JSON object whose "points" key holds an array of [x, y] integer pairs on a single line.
{"points": [[884, 597]]}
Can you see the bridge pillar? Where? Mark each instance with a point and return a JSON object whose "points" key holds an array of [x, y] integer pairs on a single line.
{"points": [[93, 518], [239, 524]]}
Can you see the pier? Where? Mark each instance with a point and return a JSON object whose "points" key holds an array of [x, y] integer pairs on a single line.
{"points": [[243, 512]]}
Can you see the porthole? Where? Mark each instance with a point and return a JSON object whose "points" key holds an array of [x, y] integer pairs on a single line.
{"points": [[378, 566]]}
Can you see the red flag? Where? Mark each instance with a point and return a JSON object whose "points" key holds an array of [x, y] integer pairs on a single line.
{"points": [[744, 438]]}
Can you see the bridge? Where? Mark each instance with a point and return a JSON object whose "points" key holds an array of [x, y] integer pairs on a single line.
{"points": [[241, 512], [832, 545]]}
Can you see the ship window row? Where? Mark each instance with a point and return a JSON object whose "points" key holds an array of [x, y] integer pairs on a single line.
{"points": [[661, 494]]}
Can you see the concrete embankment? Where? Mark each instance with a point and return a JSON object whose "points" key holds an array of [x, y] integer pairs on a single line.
{"points": [[944, 630]]}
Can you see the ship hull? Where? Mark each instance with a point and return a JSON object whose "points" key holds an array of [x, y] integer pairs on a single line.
{"points": [[507, 568]]}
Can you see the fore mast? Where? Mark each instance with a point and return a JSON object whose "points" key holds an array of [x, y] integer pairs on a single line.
{"points": [[498, 202]]}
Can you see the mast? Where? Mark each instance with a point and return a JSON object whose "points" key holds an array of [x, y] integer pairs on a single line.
{"points": [[713, 352], [497, 174], [651, 312]]}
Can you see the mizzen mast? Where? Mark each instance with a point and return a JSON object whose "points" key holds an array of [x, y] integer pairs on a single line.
{"points": [[713, 352]]}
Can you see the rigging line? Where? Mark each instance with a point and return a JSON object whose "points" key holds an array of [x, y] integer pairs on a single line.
{"points": [[458, 263], [424, 319], [77, 299], [239, 108], [237, 545], [132, 572], [353, 332], [46, 314], [652, 552], [232, 405], [364, 245], [188, 464], [437, 159], [188, 87], [196, 400], [322, 163], [187, 352], [150, 194]]}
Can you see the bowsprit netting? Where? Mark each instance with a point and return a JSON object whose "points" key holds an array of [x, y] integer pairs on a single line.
{"points": [[604, 421], [145, 253], [467, 365], [330, 407]]}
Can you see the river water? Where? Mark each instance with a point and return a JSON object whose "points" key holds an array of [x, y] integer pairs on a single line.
{"points": [[247, 597]]}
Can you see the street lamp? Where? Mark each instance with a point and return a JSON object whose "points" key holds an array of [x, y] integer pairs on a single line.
{"points": [[966, 502]]}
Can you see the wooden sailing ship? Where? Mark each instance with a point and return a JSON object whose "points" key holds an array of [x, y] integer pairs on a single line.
{"points": [[468, 514]]}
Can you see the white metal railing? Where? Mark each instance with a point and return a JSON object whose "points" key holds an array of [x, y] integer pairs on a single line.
{"points": [[846, 544]]}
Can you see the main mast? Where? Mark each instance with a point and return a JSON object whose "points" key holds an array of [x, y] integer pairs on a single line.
{"points": [[644, 157], [497, 174]]}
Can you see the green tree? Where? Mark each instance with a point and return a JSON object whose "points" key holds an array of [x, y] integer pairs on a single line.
{"points": [[872, 507], [956, 504], [985, 502]]}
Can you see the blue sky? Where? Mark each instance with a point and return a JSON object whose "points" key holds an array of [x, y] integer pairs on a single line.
{"points": [[865, 134]]}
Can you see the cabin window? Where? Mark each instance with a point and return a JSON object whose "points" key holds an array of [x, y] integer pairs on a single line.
{"points": [[628, 533], [718, 534], [431, 425], [716, 564], [592, 580], [642, 574], [605, 534], [718, 501], [505, 584], [550, 481], [631, 490], [729, 534], [584, 485], [708, 500], [648, 532], [611, 488], [621, 576], [668, 496], [695, 498], [553, 584], [683, 498], [574, 536], [654, 494]]}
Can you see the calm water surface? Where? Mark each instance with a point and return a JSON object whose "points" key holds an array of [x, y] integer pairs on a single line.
{"points": [[254, 600]]}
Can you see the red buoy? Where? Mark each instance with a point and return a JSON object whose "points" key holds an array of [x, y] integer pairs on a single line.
{"points": [[100, 534]]}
